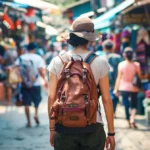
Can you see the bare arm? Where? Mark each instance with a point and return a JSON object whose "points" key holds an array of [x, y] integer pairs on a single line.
{"points": [[42, 73], [52, 96], [118, 81], [107, 102], [2, 60], [139, 72]]}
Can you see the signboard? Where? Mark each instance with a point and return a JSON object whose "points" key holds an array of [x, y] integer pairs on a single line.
{"points": [[135, 19]]}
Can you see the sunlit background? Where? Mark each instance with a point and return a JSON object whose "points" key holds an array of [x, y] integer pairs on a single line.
{"points": [[44, 22]]}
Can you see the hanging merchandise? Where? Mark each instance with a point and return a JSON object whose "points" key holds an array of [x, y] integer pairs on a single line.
{"points": [[125, 39], [32, 27], [8, 22], [30, 16], [142, 49], [117, 42], [18, 24], [70, 16], [30, 12]]}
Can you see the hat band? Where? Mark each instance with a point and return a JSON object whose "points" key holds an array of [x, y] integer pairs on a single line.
{"points": [[83, 31]]}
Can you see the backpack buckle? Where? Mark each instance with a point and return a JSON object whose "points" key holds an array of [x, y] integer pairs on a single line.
{"points": [[86, 98], [84, 74], [67, 73], [63, 97]]}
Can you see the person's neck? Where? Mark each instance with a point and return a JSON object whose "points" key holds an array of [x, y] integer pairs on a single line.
{"points": [[108, 51], [31, 52], [81, 49], [128, 61]]}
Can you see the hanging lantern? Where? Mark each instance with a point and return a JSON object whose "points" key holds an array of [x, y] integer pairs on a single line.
{"points": [[70, 16], [30, 12], [32, 27], [8, 22], [18, 24]]}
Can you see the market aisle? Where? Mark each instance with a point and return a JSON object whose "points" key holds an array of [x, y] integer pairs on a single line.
{"points": [[14, 135]]}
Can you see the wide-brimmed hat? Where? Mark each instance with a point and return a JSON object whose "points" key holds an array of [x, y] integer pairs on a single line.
{"points": [[83, 27]]}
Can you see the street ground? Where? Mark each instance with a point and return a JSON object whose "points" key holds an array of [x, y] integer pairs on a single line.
{"points": [[15, 136]]}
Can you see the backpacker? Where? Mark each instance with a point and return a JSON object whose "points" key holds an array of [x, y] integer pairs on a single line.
{"points": [[27, 72], [77, 96]]}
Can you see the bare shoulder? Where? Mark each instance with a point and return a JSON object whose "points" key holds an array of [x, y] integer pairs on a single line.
{"points": [[137, 64], [122, 63]]}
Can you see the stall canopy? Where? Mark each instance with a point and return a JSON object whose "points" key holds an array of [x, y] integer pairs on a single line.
{"points": [[13, 4], [49, 30], [139, 13], [39, 4], [108, 16]]}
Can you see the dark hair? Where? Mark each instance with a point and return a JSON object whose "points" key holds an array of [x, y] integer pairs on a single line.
{"points": [[51, 47], [129, 55], [31, 46], [76, 41], [108, 45]]}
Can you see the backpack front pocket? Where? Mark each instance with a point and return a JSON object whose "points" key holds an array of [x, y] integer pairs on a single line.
{"points": [[74, 117]]}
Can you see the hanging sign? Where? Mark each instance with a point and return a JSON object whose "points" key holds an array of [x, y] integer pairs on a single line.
{"points": [[135, 19]]}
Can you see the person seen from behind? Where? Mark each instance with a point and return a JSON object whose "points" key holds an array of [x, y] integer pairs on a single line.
{"points": [[93, 46], [8, 61], [127, 70], [113, 60], [75, 121], [32, 67]]}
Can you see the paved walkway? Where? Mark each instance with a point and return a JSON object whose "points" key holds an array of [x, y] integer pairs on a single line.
{"points": [[14, 135]]}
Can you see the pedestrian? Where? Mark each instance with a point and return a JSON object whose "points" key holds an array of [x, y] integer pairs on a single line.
{"points": [[31, 86], [75, 121], [64, 48], [21, 50], [127, 70], [93, 46], [49, 54], [8, 61], [113, 60]]}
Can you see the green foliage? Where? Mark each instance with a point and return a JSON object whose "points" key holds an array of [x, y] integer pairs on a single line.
{"points": [[62, 3]]}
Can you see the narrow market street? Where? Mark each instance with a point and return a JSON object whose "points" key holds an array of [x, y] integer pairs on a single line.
{"points": [[73, 48], [15, 136]]}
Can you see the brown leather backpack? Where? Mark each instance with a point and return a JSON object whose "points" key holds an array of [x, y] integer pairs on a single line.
{"points": [[77, 97]]}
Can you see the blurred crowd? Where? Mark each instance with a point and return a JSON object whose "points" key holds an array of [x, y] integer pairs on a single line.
{"points": [[11, 55]]}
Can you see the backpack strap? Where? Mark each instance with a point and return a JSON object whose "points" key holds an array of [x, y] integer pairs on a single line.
{"points": [[89, 59], [37, 75], [61, 59], [20, 60], [67, 57]]}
